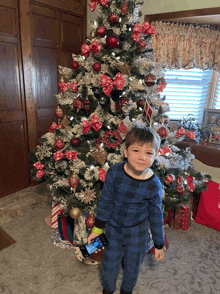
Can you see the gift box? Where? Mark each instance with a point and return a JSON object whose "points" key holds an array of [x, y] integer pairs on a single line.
{"points": [[56, 210], [180, 218], [208, 213], [66, 228]]}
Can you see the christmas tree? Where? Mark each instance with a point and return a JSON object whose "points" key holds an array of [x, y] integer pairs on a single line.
{"points": [[114, 83]]}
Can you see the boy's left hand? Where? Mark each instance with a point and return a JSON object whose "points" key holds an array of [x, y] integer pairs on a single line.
{"points": [[159, 254]]}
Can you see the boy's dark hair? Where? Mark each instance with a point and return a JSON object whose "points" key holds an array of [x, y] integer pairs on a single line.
{"points": [[141, 134]]}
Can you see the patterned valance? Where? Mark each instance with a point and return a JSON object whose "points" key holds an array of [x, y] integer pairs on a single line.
{"points": [[186, 45]]}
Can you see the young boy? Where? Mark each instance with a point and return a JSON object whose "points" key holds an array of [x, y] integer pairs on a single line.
{"points": [[131, 197]]}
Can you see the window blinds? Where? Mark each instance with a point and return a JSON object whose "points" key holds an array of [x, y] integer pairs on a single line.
{"points": [[216, 103], [186, 92]]}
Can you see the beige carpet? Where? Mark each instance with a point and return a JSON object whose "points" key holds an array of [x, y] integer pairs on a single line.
{"points": [[33, 265]]}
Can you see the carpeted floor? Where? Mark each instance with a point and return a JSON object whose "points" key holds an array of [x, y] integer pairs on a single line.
{"points": [[33, 265]]}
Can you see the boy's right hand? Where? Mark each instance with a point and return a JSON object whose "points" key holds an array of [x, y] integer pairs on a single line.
{"points": [[92, 236]]}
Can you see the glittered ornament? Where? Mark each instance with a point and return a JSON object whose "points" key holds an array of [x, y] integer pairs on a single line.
{"points": [[112, 41], [86, 105], [120, 103], [191, 187], [73, 181], [150, 80], [96, 67], [58, 113], [163, 132], [113, 18], [169, 179], [100, 156], [78, 103], [59, 144], [75, 213], [124, 8], [142, 45], [90, 221], [101, 31], [140, 103], [75, 142], [180, 188], [161, 85], [75, 65]]}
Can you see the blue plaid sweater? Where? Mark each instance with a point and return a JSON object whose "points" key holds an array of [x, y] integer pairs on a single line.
{"points": [[126, 201]]}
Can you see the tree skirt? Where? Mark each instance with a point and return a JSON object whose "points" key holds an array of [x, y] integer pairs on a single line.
{"points": [[57, 241]]}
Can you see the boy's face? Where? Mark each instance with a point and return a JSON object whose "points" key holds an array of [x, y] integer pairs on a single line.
{"points": [[140, 157]]}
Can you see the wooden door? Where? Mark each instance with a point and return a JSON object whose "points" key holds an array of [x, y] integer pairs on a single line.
{"points": [[56, 34], [35, 37], [14, 167]]}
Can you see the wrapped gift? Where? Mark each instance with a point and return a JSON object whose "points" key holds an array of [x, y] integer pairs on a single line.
{"points": [[56, 210], [66, 228], [180, 219], [185, 217], [208, 213]]}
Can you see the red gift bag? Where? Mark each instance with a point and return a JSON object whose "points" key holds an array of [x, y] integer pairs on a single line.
{"points": [[208, 213]]}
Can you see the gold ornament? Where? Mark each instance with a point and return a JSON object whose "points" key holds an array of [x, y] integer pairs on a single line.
{"points": [[100, 156], [62, 80], [125, 69], [75, 213], [49, 187]]}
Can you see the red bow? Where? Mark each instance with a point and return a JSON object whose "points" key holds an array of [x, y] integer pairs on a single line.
{"points": [[39, 166], [54, 126], [164, 150], [69, 155], [109, 84], [122, 128], [146, 29], [95, 47], [95, 2], [189, 134], [65, 86], [93, 122]]}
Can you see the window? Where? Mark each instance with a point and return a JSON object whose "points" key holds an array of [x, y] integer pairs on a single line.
{"points": [[187, 92], [216, 103]]}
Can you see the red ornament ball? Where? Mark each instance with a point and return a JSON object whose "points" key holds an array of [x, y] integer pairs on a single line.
{"points": [[96, 67], [112, 41], [78, 103], [73, 181], [140, 103], [113, 18], [142, 45], [75, 142], [163, 132], [90, 221], [75, 65], [169, 179], [150, 80], [59, 144], [101, 31]]}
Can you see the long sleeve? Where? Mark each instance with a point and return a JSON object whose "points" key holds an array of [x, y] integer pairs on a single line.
{"points": [[156, 219], [105, 205]]}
